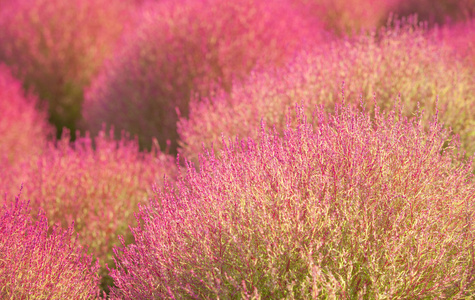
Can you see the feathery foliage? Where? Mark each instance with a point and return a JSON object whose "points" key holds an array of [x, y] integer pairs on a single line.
{"points": [[341, 206], [35, 264]]}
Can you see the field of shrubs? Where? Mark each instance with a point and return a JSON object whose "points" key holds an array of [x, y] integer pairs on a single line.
{"points": [[244, 149]]}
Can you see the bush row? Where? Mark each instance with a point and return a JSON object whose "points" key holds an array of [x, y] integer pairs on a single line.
{"points": [[176, 52], [405, 61], [339, 205], [173, 50]]}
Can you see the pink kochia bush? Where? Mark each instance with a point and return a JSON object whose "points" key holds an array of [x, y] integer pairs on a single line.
{"points": [[39, 262], [189, 48], [23, 127], [56, 46], [98, 188], [407, 62], [339, 207]]}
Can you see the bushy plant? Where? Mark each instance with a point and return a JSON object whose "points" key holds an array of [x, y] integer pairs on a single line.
{"points": [[98, 188], [343, 206], [407, 62], [187, 47], [23, 126], [35, 264], [56, 46]]}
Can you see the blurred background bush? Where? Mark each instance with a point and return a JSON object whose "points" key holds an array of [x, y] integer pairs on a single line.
{"points": [[56, 46], [141, 61], [189, 48]]}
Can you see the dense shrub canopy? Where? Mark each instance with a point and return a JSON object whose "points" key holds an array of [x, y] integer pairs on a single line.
{"points": [[337, 207], [35, 264], [282, 187], [98, 188], [406, 61], [186, 47]]}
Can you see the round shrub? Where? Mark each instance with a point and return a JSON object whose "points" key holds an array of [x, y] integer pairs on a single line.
{"points": [[407, 62], [98, 188], [39, 262], [23, 127], [56, 46], [188, 47], [339, 207]]}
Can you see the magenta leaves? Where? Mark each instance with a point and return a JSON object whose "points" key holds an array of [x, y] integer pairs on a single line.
{"points": [[407, 62], [341, 206], [35, 264], [95, 183]]}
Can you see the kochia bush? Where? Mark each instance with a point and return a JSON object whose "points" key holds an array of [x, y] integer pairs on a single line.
{"points": [[56, 46], [23, 126], [187, 47], [341, 207], [98, 188], [35, 264], [407, 62]]}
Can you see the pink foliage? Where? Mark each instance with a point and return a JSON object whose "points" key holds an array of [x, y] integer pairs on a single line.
{"points": [[35, 264], [187, 47], [23, 127], [98, 188], [339, 207], [56, 46], [406, 61]]}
